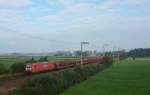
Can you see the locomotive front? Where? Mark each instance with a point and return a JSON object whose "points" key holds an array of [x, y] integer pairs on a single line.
{"points": [[28, 68]]}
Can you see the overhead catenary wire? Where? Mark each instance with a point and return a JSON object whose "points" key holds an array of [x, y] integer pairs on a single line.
{"points": [[58, 42], [36, 37]]}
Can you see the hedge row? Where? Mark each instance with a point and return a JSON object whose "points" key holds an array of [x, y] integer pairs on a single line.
{"points": [[107, 61], [54, 83], [14, 68], [3, 69], [17, 67]]}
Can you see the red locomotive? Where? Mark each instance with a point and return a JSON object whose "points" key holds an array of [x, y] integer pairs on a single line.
{"points": [[55, 65], [39, 67]]}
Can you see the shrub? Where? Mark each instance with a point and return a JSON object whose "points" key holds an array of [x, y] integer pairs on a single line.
{"points": [[107, 61], [80, 71], [43, 59], [32, 60], [70, 78], [17, 67], [3, 69]]}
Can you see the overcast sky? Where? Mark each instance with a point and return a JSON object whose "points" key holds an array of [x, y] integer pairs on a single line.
{"points": [[51, 25]]}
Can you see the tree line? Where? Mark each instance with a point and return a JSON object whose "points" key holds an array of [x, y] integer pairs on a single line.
{"points": [[140, 52], [134, 53]]}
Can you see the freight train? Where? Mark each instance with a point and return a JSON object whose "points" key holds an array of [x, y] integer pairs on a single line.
{"points": [[56, 65]]}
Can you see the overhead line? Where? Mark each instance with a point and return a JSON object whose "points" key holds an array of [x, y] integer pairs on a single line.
{"points": [[37, 37]]}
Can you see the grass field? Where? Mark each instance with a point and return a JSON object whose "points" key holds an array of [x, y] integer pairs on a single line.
{"points": [[124, 78]]}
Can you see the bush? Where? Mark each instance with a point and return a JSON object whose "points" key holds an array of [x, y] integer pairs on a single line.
{"points": [[54, 83], [32, 60], [70, 78], [43, 59], [107, 61], [3, 69], [17, 67], [82, 73]]}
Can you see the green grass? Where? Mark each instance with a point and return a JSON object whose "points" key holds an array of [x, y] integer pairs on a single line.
{"points": [[124, 78], [8, 61]]}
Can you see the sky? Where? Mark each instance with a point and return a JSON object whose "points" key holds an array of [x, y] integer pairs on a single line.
{"points": [[52, 25]]}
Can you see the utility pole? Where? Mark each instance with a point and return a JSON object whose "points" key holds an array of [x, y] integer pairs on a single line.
{"points": [[82, 43]]}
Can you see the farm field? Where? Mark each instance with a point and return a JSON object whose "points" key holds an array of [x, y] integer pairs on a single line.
{"points": [[123, 78]]}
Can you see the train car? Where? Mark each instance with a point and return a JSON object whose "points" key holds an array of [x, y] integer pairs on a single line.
{"points": [[93, 59], [39, 67], [65, 64]]}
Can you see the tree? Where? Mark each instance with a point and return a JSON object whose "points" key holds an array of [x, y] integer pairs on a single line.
{"points": [[31, 60], [3, 69], [43, 59]]}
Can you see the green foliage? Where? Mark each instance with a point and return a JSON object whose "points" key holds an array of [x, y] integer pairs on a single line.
{"points": [[82, 72], [30, 60], [70, 78], [107, 61], [17, 67], [140, 52], [54, 83], [43, 59], [84, 53], [3, 69]]}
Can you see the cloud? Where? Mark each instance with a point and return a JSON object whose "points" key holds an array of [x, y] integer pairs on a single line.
{"points": [[75, 21], [83, 15], [78, 9], [100, 28], [110, 6], [107, 5], [144, 4], [67, 3], [14, 3], [136, 1], [10, 18]]}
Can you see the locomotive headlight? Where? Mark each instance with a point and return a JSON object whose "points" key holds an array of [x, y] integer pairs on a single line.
{"points": [[28, 67]]}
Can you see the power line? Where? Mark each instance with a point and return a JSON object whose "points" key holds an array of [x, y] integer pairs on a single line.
{"points": [[40, 38], [36, 37]]}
